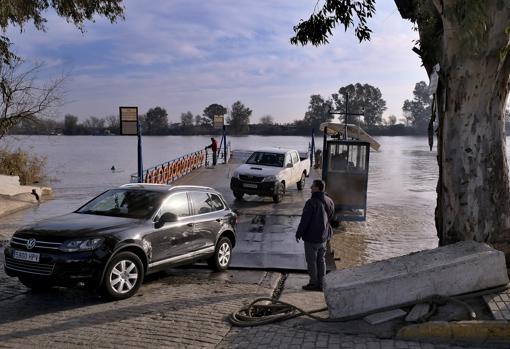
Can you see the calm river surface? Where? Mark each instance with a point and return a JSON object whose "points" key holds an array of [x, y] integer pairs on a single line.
{"points": [[401, 196]]}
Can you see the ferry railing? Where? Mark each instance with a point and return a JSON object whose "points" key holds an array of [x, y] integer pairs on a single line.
{"points": [[170, 171]]}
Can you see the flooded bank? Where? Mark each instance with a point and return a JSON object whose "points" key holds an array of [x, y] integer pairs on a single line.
{"points": [[401, 187]]}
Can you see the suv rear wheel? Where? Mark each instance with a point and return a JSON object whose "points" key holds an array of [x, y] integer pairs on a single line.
{"points": [[123, 276], [222, 255]]}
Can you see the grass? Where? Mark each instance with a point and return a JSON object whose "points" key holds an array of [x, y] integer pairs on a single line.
{"points": [[29, 167]]}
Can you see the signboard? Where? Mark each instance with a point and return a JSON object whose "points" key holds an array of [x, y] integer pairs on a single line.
{"points": [[218, 121], [128, 120]]}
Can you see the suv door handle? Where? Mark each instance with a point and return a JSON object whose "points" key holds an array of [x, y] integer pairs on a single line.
{"points": [[218, 219], [189, 224]]}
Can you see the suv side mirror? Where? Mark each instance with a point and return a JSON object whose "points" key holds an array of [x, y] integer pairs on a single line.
{"points": [[290, 165], [167, 217]]}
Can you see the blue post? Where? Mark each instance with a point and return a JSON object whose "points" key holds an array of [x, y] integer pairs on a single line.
{"points": [[312, 151], [140, 164], [225, 143]]}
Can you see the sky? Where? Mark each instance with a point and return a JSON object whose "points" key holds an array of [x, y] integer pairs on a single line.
{"points": [[184, 55]]}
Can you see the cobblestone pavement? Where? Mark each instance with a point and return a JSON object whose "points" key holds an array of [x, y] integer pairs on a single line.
{"points": [[181, 308]]}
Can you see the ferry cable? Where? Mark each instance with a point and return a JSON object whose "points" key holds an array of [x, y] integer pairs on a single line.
{"points": [[271, 310]]}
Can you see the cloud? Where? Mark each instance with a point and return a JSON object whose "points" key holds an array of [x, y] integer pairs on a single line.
{"points": [[186, 54]]}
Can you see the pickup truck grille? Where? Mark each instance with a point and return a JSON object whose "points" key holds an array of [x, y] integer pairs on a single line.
{"points": [[254, 179]]}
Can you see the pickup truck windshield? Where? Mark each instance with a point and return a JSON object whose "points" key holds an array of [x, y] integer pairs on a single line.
{"points": [[266, 159]]}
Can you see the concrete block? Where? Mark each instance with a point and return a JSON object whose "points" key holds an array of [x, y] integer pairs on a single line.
{"points": [[417, 312], [379, 318], [449, 270]]}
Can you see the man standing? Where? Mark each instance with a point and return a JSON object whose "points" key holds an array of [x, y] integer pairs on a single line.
{"points": [[315, 230], [214, 148]]}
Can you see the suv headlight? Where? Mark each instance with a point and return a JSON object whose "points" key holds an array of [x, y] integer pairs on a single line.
{"points": [[270, 179], [81, 245]]}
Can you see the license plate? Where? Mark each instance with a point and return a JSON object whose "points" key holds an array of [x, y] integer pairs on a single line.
{"points": [[26, 256], [248, 185]]}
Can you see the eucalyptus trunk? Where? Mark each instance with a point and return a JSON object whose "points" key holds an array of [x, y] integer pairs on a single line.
{"points": [[473, 189]]}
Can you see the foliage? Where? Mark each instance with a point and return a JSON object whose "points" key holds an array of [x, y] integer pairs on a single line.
{"points": [[17, 13], [71, 125], [213, 110], [318, 112], [419, 110], [112, 124], [239, 118], [320, 25], [267, 120], [187, 119], [392, 120], [362, 99], [28, 167], [24, 98], [155, 122]]}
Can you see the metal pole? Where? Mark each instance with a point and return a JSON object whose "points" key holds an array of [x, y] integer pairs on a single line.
{"points": [[140, 163], [324, 148], [312, 152], [346, 112], [225, 143]]}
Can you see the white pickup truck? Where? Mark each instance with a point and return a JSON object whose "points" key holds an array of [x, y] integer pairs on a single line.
{"points": [[268, 172]]}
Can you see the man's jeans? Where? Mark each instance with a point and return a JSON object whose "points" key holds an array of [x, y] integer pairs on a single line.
{"points": [[214, 158], [315, 254]]}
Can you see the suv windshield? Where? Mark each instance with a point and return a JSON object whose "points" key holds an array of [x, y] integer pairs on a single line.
{"points": [[266, 159], [128, 203]]}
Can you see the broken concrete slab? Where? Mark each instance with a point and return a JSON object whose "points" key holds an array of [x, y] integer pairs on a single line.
{"points": [[449, 270], [418, 311], [379, 318]]}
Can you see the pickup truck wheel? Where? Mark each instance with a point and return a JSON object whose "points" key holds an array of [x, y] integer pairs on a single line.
{"points": [[280, 193], [301, 183], [238, 195]]}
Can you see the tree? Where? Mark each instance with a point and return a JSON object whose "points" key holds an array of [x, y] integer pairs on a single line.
{"points": [[187, 119], [213, 110], [198, 120], [94, 125], [71, 126], [419, 110], [318, 112], [267, 120], [239, 118], [113, 124], [467, 44], [155, 122], [18, 13], [392, 120], [24, 97], [363, 99]]}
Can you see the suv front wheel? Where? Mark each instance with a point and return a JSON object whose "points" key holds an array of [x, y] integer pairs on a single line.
{"points": [[222, 255], [123, 276]]}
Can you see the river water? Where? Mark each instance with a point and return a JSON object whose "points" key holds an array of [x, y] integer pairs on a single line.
{"points": [[401, 186]]}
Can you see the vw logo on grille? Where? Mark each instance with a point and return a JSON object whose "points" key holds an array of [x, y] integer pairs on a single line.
{"points": [[30, 244]]}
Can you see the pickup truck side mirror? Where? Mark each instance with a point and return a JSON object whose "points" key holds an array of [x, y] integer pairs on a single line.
{"points": [[290, 165], [167, 217]]}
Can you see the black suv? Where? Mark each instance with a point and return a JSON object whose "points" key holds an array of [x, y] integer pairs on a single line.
{"points": [[120, 236]]}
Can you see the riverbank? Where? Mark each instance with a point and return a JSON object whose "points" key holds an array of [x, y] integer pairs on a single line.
{"points": [[15, 197]]}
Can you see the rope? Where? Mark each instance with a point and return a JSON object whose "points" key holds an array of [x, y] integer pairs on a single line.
{"points": [[273, 310]]}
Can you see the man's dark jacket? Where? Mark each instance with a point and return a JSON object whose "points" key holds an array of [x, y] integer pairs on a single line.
{"points": [[315, 221]]}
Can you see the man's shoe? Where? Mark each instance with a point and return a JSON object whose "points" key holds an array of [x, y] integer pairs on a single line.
{"points": [[312, 287]]}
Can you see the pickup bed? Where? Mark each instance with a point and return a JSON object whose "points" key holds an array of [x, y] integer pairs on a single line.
{"points": [[269, 172]]}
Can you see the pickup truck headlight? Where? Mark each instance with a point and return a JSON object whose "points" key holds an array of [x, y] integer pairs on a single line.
{"points": [[270, 179], [81, 245]]}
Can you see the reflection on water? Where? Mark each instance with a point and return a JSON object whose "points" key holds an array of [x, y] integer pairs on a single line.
{"points": [[401, 187]]}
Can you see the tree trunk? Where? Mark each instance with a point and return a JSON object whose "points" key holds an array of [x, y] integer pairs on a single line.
{"points": [[473, 188]]}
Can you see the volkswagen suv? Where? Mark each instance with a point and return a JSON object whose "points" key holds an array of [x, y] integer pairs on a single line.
{"points": [[123, 234]]}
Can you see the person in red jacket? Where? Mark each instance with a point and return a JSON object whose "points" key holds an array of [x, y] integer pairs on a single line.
{"points": [[214, 148]]}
